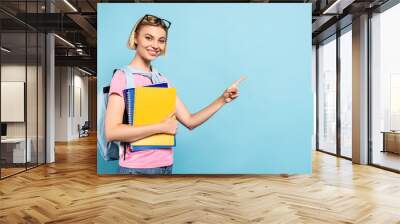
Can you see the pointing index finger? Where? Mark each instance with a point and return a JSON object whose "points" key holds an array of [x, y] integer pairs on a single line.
{"points": [[236, 83]]}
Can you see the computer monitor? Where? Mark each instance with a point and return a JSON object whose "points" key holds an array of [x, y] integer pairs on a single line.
{"points": [[3, 129]]}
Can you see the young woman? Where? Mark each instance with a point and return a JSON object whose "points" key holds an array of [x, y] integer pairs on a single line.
{"points": [[149, 39]]}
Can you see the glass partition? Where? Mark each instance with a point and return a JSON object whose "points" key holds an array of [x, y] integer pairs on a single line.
{"points": [[22, 88], [13, 103], [327, 95]]}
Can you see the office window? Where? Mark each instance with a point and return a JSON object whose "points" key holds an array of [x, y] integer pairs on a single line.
{"points": [[327, 95], [314, 90], [346, 92], [385, 93]]}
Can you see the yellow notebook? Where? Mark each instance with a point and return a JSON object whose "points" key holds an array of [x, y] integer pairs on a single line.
{"points": [[153, 105]]}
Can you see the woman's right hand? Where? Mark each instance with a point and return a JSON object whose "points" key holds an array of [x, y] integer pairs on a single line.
{"points": [[170, 125]]}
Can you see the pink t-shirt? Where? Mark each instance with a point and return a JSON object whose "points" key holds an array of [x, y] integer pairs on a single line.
{"points": [[150, 158]]}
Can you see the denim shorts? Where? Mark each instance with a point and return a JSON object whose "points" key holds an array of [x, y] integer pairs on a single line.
{"points": [[165, 170]]}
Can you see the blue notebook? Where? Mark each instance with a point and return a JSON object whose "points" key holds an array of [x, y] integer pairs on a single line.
{"points": [[129, 95]]}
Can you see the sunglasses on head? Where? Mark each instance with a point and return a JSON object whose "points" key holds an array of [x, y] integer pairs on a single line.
{"points": [[156, 20]]}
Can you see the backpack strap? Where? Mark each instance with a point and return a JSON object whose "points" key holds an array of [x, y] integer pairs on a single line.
{"points": [[106, 89], [129, 83]]}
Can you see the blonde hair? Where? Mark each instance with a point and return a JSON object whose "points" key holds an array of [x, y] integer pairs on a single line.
{"points": [[136, 28]]}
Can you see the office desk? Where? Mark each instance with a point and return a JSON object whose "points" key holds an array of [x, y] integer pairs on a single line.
{"points": [[391, 141], [13, 150]]}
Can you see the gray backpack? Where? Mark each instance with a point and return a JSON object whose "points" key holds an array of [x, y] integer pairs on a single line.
{"points": [[108, 150]]}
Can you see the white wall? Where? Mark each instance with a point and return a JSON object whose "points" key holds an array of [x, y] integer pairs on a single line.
{"points": [[17, 73], [14, 73], [61, 103], [70, 83], [80, 83]]}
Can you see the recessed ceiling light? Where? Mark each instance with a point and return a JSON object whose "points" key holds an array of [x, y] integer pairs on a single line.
{"points": [[70, 5], [84, 71], [5, 50], [64, 40], [337, 7]]}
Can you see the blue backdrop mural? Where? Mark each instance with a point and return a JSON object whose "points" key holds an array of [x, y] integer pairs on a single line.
{"points": [[268, 129]]}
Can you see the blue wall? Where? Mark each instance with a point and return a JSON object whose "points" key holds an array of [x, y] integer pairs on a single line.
{"points": [[268, 128]]}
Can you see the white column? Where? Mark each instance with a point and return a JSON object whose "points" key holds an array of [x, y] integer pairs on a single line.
{"points": [[360, 90], [50, 92]]}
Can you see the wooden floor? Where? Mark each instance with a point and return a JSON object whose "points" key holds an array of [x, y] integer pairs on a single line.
{"points": [[387, 159], [5, 172], [69, 191]]}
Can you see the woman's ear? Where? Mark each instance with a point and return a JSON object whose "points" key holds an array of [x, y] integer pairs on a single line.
{"points": [[135, 39], [164, 52]]}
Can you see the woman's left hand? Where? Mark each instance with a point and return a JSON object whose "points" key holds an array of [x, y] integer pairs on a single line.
{"points": [[232, 92]]}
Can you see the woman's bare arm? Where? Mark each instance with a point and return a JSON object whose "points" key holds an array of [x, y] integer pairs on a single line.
{"points": [[191, 121], [117, 131]]}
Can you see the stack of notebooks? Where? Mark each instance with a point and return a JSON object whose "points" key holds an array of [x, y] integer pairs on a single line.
{"points": [[150, 105]]}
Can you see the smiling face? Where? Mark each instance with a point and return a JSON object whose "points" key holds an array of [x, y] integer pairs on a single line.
{"points": [[150, 41]]}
